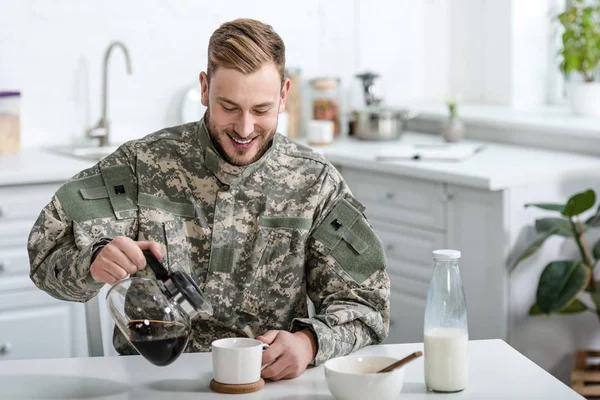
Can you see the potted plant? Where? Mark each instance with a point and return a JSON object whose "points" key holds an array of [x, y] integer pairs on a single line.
{"points": [[580, 53], [453, 129], [568, 286]]}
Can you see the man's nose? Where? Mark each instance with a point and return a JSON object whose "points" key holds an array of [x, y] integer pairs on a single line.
{"points": [[245, 126]]}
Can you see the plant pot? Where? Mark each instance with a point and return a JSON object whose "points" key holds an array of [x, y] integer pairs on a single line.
{"points": [[453, 130], [585, 378], [584, 98]]}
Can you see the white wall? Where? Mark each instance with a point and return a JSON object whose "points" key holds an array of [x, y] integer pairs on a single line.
{"points": [[501, 52], [52, 51]]}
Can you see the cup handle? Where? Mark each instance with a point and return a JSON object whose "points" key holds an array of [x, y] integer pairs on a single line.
{"points": [[264, 347]]}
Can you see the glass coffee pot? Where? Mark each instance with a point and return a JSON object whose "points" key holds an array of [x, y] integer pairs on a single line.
{"points": [[155, 315]]}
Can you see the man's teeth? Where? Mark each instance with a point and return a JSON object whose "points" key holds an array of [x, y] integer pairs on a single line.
{"points": [[242, 141]]}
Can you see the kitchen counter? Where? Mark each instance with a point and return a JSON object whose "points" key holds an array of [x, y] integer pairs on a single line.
{"points": [[497, 371], [495, 167], [33, 166]]}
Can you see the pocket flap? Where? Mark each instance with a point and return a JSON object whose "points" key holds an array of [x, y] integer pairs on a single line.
{"points": [[122, 190], [337, 224], [350, 240], [284, 222], [355, 241], [95, 193]]}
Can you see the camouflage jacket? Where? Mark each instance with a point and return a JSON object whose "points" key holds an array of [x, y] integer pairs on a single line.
{"points": [[258, 239]]}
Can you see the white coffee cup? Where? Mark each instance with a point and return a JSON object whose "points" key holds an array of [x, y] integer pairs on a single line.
{"points": [[237, 361], [320, 132]]}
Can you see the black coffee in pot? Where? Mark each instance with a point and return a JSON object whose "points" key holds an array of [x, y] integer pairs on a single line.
{"points": [[160, 342]]}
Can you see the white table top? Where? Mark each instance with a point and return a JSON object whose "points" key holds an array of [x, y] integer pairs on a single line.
{"points": [[496, 371]]}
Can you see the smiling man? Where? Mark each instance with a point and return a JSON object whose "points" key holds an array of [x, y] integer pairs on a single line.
{"points": [[260, 223]]}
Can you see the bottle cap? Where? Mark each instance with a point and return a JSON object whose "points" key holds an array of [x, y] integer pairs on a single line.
{"points": [[446, 254]]}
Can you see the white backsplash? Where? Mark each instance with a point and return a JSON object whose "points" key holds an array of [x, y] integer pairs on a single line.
{"points": [[52, 52]]}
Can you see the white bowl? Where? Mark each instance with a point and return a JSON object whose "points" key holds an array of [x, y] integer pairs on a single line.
{"points": [[354, 378]]}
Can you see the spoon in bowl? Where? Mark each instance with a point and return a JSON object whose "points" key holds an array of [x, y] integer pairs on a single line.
{"points": [[400, 363]]}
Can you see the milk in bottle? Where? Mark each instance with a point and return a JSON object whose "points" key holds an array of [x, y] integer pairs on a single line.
{"points": [[445, 331]]}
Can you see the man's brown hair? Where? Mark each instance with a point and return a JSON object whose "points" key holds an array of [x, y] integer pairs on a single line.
{"points": [[245, 45]]}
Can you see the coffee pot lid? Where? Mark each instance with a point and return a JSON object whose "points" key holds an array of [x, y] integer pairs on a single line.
{"points": [[180, 286]]}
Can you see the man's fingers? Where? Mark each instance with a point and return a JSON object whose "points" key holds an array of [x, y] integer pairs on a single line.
{"points": [[153, 247], [283, 374], [268, 337], [275, 369], [272, 353], [117, 256], [115, 270], [104, 277]]}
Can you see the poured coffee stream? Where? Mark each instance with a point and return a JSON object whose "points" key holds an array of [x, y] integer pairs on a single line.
{"points": [[160, 342]]}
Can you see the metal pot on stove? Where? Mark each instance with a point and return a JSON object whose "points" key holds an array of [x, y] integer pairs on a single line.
{"points": [[376, 121]]}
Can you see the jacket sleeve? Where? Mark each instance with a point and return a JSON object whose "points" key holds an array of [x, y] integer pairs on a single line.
{"points": [[82, 214], [346, 280]]}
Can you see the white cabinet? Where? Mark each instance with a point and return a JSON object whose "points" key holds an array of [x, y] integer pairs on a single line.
{"points": [[414, 217], [32, 323], [409, 267]]}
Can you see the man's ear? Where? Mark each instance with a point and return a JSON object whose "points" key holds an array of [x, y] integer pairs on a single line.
{"points": [[285, 88], [204, 88]]}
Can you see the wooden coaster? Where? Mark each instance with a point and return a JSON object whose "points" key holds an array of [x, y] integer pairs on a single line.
{"points": [[237, 389]]}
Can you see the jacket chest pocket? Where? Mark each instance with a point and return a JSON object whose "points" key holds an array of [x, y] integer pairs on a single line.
{"points": [[276, 268], [182, 236]]}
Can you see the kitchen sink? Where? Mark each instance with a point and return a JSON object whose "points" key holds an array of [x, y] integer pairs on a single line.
{"points": [[95, 153]]}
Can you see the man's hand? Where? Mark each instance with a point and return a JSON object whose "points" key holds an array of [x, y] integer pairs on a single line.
{"points": [[122, 256], [289, 353]]}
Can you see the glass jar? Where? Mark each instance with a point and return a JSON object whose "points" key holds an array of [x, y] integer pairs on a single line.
{"points": [[10, 125], [445, 331], [326, 101]]}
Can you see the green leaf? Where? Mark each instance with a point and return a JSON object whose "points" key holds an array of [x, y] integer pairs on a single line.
{"points": [[560, 225], [535, 310], [574, 307], [547, 206], [596, 250], [532, 248], [594, 220], [596, 296], [560, 283], [579, 203]]}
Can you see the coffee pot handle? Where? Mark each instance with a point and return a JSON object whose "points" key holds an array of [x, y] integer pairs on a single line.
{"points": [[155, 265]]}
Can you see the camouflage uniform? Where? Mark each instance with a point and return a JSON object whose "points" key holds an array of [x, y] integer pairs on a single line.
{"points": [[257, 239]]}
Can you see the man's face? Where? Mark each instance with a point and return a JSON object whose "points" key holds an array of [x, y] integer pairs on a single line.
{"points": [[242, 111]]}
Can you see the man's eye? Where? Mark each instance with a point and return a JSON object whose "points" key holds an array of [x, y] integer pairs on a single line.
{"points": [[261, 112], [227, 109]]}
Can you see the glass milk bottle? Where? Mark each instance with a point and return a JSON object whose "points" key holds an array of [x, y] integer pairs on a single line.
{"points": [[445, 331]]}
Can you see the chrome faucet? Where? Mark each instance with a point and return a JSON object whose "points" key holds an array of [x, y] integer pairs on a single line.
{"points": [[102, 128]]}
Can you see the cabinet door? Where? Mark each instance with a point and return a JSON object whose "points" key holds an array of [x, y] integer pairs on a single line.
{"points": [[477, 227], [14, 268], [32, 325], [408, 254], [416, 203]]}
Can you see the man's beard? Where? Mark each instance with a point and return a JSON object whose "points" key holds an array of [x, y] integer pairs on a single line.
{"points": [[217, 137]]}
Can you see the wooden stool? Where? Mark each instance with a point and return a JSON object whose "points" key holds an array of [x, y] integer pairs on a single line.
{"points": [[237, 389]]}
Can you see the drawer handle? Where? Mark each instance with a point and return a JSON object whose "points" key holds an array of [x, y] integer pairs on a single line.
{"points": [[389, 248], [5, 348], [390, 196], [2, 266], [2, 212]]}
